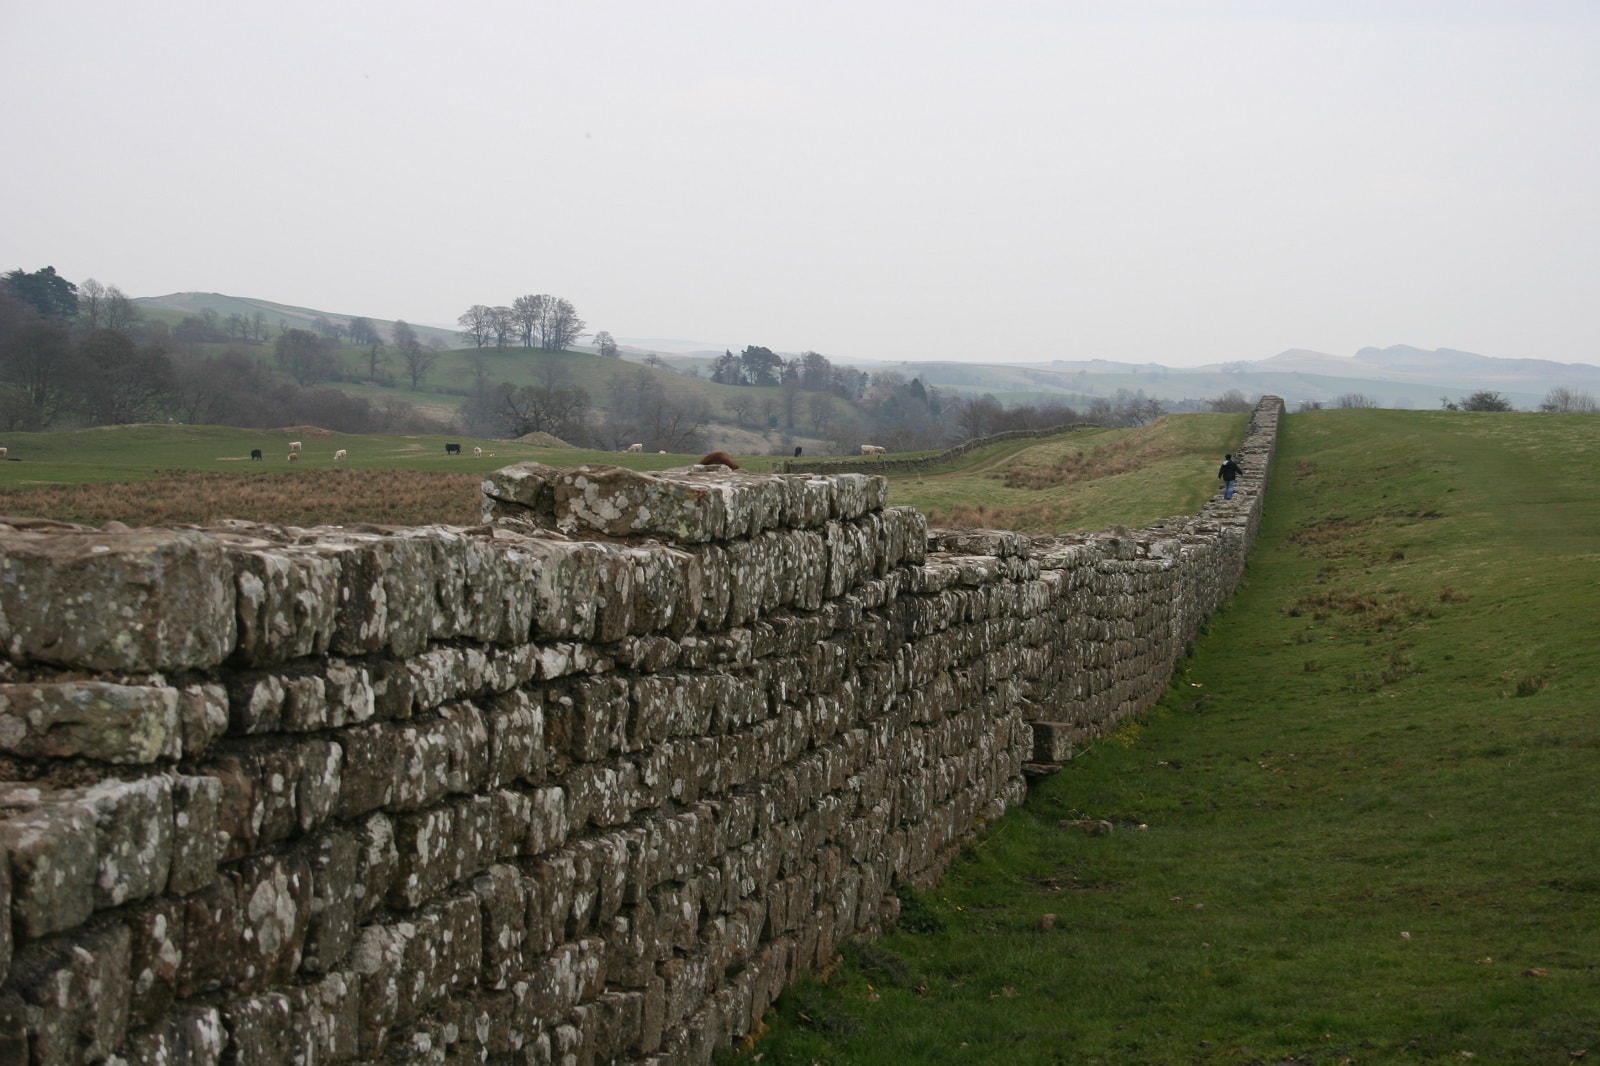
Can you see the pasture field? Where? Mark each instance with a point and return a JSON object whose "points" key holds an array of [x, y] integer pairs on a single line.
{"points": [[1361, 826], [165, 474]]}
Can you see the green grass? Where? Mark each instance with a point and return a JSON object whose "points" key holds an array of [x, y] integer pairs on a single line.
{"points": [[1372, 833], [1081, 481]]}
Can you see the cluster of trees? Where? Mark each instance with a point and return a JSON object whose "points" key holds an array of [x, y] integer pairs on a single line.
{"points": [[760, 367], [77, 355], [541, 321]]}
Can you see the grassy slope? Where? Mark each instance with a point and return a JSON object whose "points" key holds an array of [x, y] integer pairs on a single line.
{"points": [[1372, 829], [1085, 480]]}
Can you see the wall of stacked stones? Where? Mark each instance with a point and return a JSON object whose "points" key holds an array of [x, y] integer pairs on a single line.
{"points": [[590, 782]]}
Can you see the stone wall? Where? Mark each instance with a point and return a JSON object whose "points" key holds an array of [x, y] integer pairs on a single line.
{"points": [[590, 782]]}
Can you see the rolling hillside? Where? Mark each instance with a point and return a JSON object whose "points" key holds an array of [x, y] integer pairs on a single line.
{"points": [[1398, 376]]}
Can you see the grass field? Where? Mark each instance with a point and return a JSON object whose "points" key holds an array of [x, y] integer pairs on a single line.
{"points": [[153, 475], [1360, 827]]}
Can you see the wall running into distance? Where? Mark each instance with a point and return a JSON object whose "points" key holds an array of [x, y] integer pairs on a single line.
{"points": [[591, 782]]}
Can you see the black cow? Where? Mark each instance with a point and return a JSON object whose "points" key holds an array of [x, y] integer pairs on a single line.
{"points": [[797, 451], [452, 449], [255, 455]]}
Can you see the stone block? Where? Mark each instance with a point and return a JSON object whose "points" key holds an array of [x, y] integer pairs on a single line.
{"points": [[133, 838], [275, 899], [125, 724], [327, 1018], [196, 833], [260, 1031], [286, 600], [77, 991], [202, 716], [53, 867], [143, 600], [385, 596], [334, 861], [1052, 741], [156, 950]]}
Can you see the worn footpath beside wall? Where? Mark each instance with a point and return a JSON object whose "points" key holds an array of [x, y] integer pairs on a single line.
{"points": [[591, 782]]}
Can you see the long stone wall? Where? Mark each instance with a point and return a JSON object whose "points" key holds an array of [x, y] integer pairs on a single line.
{"points": [[590, 782]]}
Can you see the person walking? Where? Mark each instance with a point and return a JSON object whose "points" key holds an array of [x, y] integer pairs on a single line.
{"points": [[1229, 472]]}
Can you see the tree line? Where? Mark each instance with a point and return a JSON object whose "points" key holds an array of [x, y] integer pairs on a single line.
{"points": [[81, 355], [542, 321]]}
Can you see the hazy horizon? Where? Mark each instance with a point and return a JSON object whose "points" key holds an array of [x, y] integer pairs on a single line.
{"points": [[1165, 182]]}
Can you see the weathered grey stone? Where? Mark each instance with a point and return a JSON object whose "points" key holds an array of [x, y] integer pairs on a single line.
{"points": [[326, 1019], [133, 838], [285, 599], [210, 959], [331, 927], [275, 894], [260, 1030], [156, 948], [53, 866], [196, 833], [203, 716], [135, 601], [130, 724]]}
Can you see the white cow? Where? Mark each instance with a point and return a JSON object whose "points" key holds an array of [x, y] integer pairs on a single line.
{"points": [[2, 453], [477, 453], [871, 449], [636, 447], [294, 446], [340, 454]]}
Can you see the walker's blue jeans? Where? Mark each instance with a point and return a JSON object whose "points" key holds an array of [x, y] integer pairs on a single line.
{"points": [[1227, 490]]}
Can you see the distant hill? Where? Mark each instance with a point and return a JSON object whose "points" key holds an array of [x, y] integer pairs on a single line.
{"points": [[1397, 376], [192, 303]]}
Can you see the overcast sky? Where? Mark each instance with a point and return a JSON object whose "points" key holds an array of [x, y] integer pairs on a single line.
{"points": [[1177, 182]]}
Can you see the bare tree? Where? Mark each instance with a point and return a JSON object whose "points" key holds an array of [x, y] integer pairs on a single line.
{"points": [[91, 304], [123, 383], [305, 356], [1561, 398], [419, 363], [502, 325], [977, 417], [605, 344], [476, 325], [1230, 402]]}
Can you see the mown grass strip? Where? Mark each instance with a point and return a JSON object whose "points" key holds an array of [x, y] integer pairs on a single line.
{"points": [[1359, 827]]}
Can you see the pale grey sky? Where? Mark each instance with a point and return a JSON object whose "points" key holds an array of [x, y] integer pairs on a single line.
{"points": [[1173, 182]]}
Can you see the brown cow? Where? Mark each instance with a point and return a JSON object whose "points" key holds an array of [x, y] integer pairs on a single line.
{"points": [[720, 459]]}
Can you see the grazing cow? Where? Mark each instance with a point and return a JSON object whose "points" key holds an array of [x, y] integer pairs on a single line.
{"points": [[2, 453], [871, 449], [477, 453], [452, 449], [636, 447], [719, 459], [294, 446], [797, 451], [663, 451], [340, 454], [294, 457], [255, 455]]}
